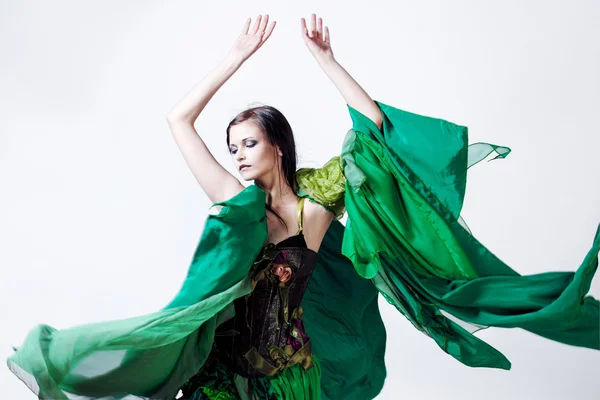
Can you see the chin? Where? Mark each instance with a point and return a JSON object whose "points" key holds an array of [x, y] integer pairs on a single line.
{"points": [[246, 177], [251, 174]]}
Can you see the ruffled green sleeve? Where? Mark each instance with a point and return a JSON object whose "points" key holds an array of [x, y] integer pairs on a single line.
{"points": [[325, 185]]}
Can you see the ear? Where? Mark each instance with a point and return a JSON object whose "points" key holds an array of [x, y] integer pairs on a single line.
{"points": [[279, 153]]}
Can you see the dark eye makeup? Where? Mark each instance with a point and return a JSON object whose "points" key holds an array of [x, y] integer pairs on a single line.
{"points": [[249, 143]]}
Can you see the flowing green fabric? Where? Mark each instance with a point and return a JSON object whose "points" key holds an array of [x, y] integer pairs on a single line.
{"points": [[342, 318], [151, 356], [404, 194], [402, 187]]}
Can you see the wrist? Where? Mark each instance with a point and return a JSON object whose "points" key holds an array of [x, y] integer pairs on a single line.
{"points": [[325, 60], [233, 60]]}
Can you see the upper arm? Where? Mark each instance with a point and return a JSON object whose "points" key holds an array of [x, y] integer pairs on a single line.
{"points": [[372, 112], [218, 183]]}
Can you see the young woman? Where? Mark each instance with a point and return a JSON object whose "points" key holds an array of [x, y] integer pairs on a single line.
{"points": [[261, 143], [280, 300]]}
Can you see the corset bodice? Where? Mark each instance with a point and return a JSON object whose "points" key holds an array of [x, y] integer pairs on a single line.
{"points": [[267, 335]]}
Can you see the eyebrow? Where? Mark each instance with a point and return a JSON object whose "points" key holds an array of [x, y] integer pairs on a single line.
{"points": [[243, 140]]}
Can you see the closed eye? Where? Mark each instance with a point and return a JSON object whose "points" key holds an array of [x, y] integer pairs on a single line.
{"points": [[248, 144]]}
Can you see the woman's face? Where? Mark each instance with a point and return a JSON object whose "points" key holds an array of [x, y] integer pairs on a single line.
{"points": [[249, 146]]}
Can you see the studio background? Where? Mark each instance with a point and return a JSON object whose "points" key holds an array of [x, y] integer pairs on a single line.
{"points": [[100, 216]]}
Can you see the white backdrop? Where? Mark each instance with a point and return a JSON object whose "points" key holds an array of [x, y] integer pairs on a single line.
{"points": [[99, 215]]}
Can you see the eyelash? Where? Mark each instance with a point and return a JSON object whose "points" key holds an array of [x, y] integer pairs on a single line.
{"points": [[252, 144]]}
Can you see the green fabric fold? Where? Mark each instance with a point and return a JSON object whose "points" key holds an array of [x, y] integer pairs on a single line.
{"points": [[325, 185], [342, 318], [403, 232]]}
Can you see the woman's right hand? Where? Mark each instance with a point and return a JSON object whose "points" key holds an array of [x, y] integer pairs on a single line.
{"points": [[251, 40]]}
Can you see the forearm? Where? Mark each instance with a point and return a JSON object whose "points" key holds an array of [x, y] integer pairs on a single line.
{"points": [[192, 104], [354, 95]]}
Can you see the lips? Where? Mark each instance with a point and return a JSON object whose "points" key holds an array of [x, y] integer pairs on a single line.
{"points": [[244, 165]]}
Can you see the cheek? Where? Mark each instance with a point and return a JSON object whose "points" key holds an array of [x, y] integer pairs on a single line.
{"points": [[264, 156]]}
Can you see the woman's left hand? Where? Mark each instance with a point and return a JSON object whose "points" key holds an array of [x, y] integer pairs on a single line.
{"points": [[318, 41]]}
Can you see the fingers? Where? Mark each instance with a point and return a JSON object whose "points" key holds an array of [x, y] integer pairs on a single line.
{"points": [[316, 28], [269, 30], [246, 26], [263, 23], [320, 27], [259, 26], [303, 28], [256, 25]]}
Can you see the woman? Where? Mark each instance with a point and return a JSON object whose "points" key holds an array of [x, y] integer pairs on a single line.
{"points": [[262, 146], [280, 300]]}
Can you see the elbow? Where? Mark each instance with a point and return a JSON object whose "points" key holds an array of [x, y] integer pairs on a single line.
{"points": [[176, 118], [171, 119]]}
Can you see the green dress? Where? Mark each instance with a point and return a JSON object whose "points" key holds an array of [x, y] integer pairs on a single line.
{"points": [[402, 187]]}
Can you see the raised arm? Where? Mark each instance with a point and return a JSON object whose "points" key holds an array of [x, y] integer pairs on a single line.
{"points": [[318, 42], [215, 180]]}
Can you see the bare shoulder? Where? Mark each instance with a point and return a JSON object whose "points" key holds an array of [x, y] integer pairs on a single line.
{"points": [[316, 223], [317, 211]]}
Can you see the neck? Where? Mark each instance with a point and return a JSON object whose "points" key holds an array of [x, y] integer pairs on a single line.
{"points": [[278, 192]]}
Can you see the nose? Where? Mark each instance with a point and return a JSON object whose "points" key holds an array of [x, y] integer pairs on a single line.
{"points": [[239, 156]]}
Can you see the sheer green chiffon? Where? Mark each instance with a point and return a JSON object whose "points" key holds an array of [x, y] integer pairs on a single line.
{"points": [[404, 194], [402, 187], [151, 356]]}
